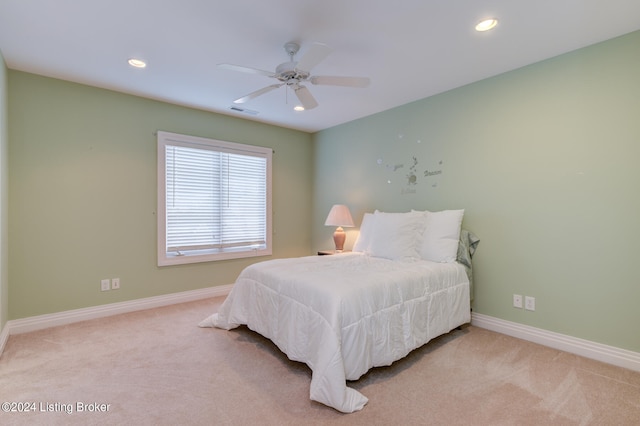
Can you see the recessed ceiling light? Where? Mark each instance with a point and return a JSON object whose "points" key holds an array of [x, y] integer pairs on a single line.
{"points": [[298, 108], [486, 24], [137, 63]]}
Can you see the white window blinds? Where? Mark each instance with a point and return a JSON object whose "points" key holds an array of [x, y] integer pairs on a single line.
{"points": [[216, 199]]}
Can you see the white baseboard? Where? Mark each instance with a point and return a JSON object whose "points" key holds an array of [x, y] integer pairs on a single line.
{"points": [[40, 322], [4, 337], [609, 354]]}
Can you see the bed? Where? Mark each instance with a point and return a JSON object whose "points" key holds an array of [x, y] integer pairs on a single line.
{"points": [[344, 314]]}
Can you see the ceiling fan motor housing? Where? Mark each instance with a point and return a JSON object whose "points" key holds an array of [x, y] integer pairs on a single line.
{"points": [[286, 72]]}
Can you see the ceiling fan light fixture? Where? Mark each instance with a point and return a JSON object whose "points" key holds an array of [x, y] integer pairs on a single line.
{"points": [[137, 63], [298, 108], [486, 24]]}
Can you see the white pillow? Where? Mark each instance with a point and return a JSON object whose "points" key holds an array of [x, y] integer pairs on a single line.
{"points": [[441, 235], [396, 235], [366, 232]]}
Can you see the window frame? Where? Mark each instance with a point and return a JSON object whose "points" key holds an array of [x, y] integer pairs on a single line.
{"points": [[164, 258]]}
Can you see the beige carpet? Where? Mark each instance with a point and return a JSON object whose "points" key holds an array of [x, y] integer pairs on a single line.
{"points": [[157, 367]]}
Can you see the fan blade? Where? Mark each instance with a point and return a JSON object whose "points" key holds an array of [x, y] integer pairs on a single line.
{"points": [[328, 80], [305, 97], [316, 53], [245, 69], [257, 93]]}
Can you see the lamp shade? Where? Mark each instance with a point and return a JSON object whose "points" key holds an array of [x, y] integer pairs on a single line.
{"points": [[339, 215]]}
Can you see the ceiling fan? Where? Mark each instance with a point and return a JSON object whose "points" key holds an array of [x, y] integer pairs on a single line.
{"points": [[293, 74]]}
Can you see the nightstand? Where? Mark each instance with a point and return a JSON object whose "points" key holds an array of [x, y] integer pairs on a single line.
{"points": [[330, 252]]}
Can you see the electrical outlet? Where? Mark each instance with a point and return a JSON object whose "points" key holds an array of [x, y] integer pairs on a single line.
{"points": [[115, 283], [530, 303], [105, 285], [517, 301]]}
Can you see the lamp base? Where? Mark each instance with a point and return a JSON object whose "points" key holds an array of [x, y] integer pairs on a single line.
{"points": [[338, 239]]}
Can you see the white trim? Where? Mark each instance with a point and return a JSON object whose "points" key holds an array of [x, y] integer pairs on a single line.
{"points": [[40, 322], [4, 337], [609, 354]]}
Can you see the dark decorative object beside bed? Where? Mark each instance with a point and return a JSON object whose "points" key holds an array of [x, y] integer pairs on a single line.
{"points": [[406, 282]]}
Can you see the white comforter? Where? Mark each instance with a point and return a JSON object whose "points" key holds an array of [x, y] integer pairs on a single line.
{"points": [[343, 314]]}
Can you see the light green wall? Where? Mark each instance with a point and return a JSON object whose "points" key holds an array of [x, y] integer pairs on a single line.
{"points": [[545, 161], [82, 196], [4, 194]]}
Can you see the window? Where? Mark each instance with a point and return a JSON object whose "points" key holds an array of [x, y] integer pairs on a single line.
{"points": [[214, 200]]}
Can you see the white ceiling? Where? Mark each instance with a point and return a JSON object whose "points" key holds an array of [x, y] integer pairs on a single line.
{"points": [[411, 49]]}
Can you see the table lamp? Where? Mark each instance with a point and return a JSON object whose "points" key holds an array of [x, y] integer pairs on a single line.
{"points": [[339, 216]]}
